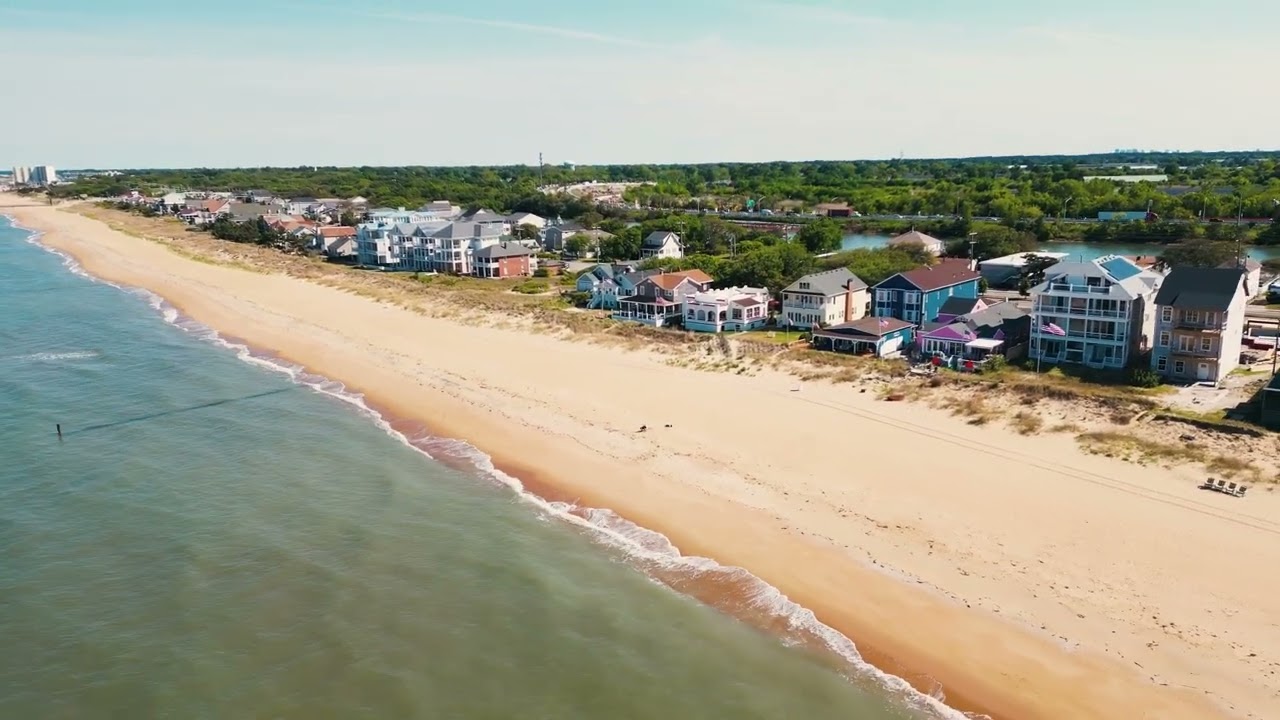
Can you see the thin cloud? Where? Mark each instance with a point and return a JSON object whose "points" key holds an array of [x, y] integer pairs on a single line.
{"points": [[551, 30], [824, 13]]}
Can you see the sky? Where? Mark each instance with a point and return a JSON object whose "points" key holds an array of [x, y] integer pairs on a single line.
{"points": [[236, 83]]}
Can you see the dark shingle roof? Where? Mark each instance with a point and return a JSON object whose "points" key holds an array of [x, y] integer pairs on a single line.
{"points": [[1209, 288], [956, 305], [945, 274]]}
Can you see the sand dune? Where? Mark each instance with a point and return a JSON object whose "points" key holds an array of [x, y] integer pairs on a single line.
{"points": [[1029, 579]]}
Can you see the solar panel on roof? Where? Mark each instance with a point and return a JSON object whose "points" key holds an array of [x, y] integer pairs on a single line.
{"points": [[1121, 269]]}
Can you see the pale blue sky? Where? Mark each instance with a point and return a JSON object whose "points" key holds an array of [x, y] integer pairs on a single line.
{"points": [[144, 83]]}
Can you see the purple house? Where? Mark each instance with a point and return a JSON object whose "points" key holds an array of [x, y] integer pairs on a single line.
{"points": [[976, 335]]}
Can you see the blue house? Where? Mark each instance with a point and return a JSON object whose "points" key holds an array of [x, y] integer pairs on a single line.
{"points": [[918, 295], [609, 283]]}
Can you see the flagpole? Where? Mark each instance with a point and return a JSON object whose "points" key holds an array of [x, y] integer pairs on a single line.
{"points": [[1038, 333]]}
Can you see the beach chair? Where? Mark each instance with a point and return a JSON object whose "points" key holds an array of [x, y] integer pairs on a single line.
{"points": [[1240, 490], [1231, 489], [1222, 486], [1207, 484]]}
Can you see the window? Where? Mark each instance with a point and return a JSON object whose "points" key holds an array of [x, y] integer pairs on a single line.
{"points": [[884, 296], [1179, 367], [1164, 339], [912, 298], [1186, 343], [1166, 314], [1162, 363], [804, 286], [1206, 344], [1211, 318], [1191, 316]]}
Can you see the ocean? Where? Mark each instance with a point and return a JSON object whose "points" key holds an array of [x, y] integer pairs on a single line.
{"points": [[219, 535]]}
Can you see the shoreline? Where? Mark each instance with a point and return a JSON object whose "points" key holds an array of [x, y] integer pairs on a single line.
{"points": [[914, 627]]}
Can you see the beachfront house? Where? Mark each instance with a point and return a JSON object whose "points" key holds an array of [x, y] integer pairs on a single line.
{"points": [[204, 211], [432, 246], [824, 298], [918, 295], [659, 299], [957, 306], [879, 336], [915, 238], [1098, 313], [662, 244], [1200, 323], [967, 340], [733, 309], [336, 241], [505, 259], [607, 283]]}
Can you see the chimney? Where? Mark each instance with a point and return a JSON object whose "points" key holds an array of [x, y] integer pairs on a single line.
{"points": [[848, 302]]}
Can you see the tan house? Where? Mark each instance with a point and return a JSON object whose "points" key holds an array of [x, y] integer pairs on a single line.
{"points": [[1199, 324], [824, 299], [915, 237]]}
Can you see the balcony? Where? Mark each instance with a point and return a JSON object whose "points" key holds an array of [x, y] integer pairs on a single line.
{"points": [[1198, 326], [1061, 287], [1078, 311], [1196, 351]]}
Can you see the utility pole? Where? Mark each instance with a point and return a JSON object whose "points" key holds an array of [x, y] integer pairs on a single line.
{"points": [[541, 179]]}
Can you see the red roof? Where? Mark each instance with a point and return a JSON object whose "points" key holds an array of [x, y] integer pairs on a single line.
{"points": [[337, 231]]}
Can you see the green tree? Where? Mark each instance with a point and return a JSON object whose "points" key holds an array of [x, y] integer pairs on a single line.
{"points": [[348, 218], [821, 236], [1200, 253], [578, 245], [526, 231]]}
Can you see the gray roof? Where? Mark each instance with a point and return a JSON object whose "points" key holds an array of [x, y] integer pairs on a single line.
{"points": [[459, 230], [503, 250], [658, 238], [484, 216], [993, 317], [1196, 288], [567, 226], [1127, 288], [829, 283], [252, 211], [956, 305]]}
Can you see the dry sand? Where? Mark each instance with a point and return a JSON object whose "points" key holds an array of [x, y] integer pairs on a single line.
{"points": [[1029, 579]]}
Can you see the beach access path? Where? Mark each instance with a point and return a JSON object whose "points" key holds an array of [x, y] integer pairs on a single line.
{"points": [[1030, 579]]}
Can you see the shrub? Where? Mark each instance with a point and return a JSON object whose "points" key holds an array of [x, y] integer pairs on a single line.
{"points": [[994, 364], [1144, 378], [531, 287], [578, 299]]}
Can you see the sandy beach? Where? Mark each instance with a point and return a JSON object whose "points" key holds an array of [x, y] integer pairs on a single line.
{"points": [[1029, 579]]}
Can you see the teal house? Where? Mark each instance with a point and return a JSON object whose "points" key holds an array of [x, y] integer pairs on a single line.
{"points": [[609, 283], [917, 296]]}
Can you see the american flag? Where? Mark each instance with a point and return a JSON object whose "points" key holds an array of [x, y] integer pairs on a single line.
{"points": [[884, 322], [1052, 329]]}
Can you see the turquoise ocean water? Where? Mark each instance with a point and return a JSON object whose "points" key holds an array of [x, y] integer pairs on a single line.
{"points": [[217, 536]]}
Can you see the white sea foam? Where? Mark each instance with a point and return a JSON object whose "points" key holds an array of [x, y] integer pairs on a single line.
{"points": [[649, 550], [56, 356]]}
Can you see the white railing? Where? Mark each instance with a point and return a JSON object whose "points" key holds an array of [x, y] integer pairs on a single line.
{"points": [[1082, 289]]}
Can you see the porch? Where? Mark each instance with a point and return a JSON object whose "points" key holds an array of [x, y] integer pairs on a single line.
{"points": [[649, 311]]}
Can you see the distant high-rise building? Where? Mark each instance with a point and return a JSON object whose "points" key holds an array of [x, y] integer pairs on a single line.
{"points": [[43, 175], [21, 175]]}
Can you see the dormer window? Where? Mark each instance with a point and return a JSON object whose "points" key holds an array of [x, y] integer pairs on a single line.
{"points": [[804, 286]]}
